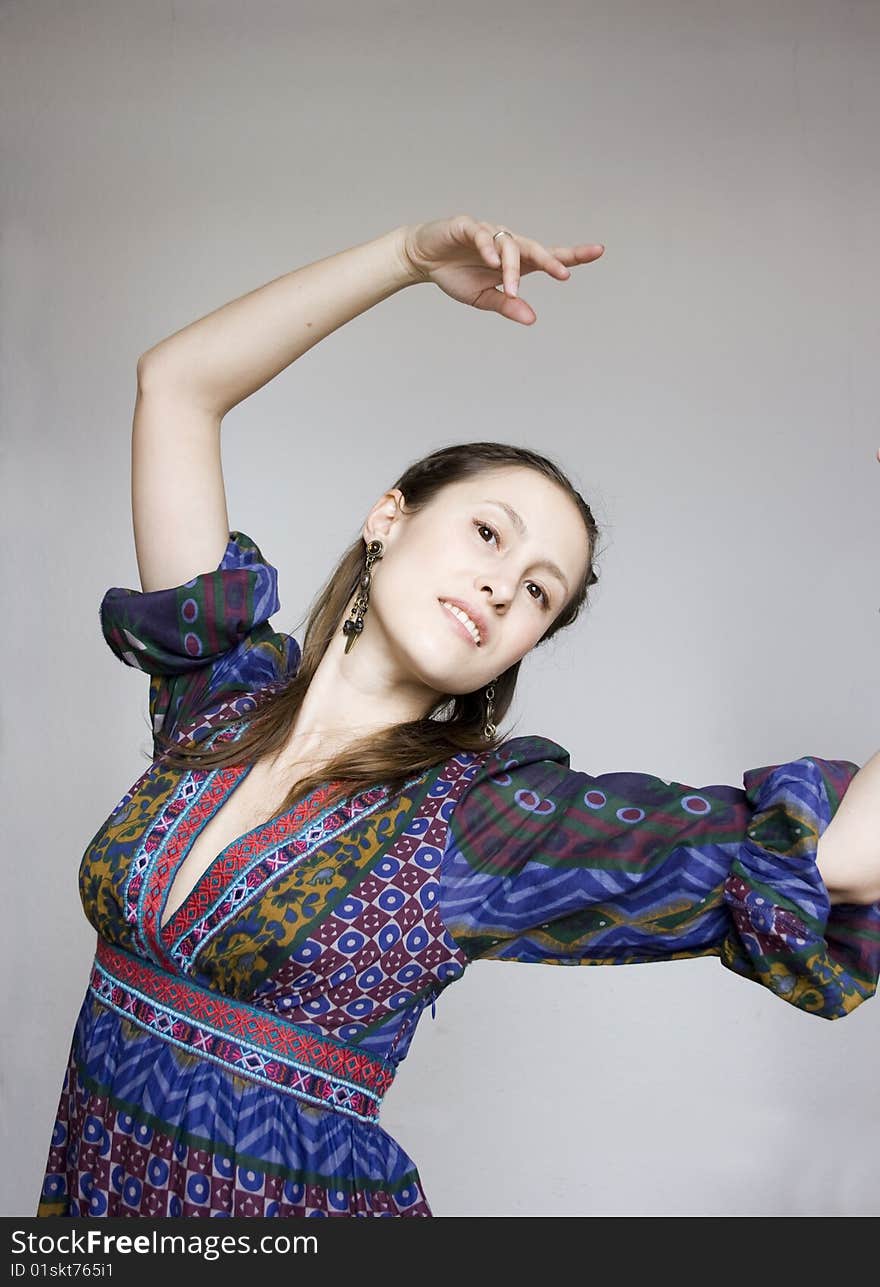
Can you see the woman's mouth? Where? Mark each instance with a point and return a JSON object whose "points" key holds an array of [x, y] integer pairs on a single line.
{"points": [[461, 622]]}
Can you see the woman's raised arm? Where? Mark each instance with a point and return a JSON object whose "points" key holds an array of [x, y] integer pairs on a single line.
{"points": [[187, 382], [224, 357], [178, 498]]}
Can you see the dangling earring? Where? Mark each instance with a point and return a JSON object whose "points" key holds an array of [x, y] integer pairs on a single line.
{"points": [[489, 727], [355, 623]]}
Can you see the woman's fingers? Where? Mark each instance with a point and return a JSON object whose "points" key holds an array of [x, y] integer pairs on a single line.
{"points": [[521, 255], [487, 246], [551, 261], [558, 259], [584, 253], [507, 257], [509, 264], [495, 300], [513, 256]]}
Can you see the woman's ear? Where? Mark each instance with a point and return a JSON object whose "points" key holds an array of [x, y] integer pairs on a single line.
{"points": [[388, 509]]}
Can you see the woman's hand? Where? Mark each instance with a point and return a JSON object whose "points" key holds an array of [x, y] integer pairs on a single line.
{"points": [[460, 256]]}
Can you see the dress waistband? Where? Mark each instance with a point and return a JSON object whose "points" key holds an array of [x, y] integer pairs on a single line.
{"points": [[248, 1041]]}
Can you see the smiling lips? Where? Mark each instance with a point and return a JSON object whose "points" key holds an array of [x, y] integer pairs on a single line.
{"points": [[467, 625]]}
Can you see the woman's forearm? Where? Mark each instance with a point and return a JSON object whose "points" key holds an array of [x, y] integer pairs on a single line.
{"points": [[222, 358], [848, 856]]}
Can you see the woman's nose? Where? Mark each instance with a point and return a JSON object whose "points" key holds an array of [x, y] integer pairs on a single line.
{"points": [[496, 595]]}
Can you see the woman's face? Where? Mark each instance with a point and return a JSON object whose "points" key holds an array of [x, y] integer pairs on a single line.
{"points": [[485, 543]]}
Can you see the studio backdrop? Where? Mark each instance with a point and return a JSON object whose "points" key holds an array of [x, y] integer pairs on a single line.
{"points": [[709, 385]]}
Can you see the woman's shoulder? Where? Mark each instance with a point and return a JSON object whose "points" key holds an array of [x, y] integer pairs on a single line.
{"points": [[524, 763], [517, 753], [227, 715]]}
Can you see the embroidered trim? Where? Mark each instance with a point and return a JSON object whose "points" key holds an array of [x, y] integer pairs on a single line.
{"points": [[250, 1043], [152, 860], [232, 862], [192, 783], [261, 856], [135, 887], [173, 836]]}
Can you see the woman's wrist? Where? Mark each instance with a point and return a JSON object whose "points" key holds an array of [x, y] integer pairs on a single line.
{"points": [[400, 239], [412, 270]]}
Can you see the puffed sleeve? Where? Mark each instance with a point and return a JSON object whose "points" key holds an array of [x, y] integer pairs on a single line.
{"points": [[544, 863], [204, 641]]}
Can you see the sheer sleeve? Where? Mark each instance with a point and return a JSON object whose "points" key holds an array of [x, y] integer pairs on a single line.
{"points": [[544, 863], [204, 641]]}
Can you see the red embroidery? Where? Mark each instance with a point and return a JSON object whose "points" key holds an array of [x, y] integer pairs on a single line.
{"points": [[262, 1046]]}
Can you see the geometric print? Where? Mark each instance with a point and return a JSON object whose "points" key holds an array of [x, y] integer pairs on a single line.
{"points": [[162, 1057], [262, 1046], [384, 945], [215, 1148], [233, 1061], [244, 868], [203, 641], [254, 861], [548, 864]]}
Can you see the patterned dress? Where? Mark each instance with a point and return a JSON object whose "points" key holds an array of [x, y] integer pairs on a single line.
{"points": [[233, 1062]]}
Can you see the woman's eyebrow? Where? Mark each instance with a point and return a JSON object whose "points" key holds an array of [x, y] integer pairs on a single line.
{"points": [[521, 528]]}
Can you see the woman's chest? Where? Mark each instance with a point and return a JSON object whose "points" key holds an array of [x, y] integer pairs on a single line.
{"points": [[255, 799], [192, 871]]}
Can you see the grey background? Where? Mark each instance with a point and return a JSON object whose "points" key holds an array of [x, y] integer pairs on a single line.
{"points": [[710, 385]]}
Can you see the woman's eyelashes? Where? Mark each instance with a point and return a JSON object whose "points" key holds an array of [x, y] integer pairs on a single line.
{"points": [[479, 524]]}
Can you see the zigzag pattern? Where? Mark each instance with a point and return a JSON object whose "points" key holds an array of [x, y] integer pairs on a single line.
{"points": [[157, 1091], [545, 863], [184, 1089]]}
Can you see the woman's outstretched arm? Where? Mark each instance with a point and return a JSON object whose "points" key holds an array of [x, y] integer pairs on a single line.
{"points": [[848, 854], [545, 863]]}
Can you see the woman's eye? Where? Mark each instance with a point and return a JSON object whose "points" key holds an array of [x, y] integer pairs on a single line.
{"points": [[487, 527]]}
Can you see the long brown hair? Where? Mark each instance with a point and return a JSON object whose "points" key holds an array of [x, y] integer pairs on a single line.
{"points": [[397, 754]]}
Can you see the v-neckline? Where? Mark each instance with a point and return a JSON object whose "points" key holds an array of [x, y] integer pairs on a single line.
{"points": [[166, 941], [230, 779]]}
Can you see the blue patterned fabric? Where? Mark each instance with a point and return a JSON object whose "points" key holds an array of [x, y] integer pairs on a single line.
{"points": [[204, 641], [549, 864], [298, 966]]}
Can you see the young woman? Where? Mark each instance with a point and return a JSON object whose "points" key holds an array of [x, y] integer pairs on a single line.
{"points": [[327, 836]]}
